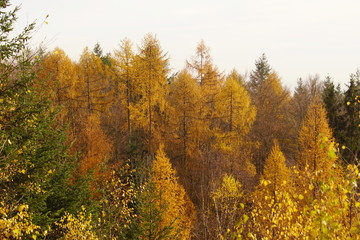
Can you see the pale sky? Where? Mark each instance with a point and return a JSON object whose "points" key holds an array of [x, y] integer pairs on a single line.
{"points": [[300, 38]]}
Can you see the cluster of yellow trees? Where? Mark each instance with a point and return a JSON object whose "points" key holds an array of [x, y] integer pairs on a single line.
{"points": [[199, 154], [223, 134]]}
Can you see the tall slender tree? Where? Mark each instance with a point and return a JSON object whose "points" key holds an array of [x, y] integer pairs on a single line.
{"points": [[149, 107]]}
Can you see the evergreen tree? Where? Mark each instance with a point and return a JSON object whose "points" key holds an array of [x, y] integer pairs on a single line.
{"points": [[331, 97], [35, 167], [259, 75], [351, 120]]}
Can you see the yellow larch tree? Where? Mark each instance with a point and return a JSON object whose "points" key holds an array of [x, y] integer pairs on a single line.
{"points": [[178, 210], [313, 136], [149, 105], [316, 156], [236, 115], [126, 81], [93, 93], [184, 100], [58, 71]]}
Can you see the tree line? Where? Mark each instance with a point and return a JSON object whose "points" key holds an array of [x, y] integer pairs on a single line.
{"points": [[117, 146]]}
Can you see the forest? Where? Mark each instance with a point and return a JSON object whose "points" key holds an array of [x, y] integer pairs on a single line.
{"points": [[119, 146]]}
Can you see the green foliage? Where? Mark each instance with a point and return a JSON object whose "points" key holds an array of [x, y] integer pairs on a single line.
{"points": [[35, 169]]}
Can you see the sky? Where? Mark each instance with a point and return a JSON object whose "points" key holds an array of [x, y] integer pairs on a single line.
{"points": [[299, 38]]}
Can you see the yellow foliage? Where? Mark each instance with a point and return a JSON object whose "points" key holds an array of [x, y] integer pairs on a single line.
{"points": [[16, 226], [79, 226], [228, 200], [179, 211]]}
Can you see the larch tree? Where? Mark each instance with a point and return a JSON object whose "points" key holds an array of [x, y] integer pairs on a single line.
{"points": [[271, 101], [236, 115], [200, 62], [125, 85], [315, 129], [316, 154], [209, 79], [150, 104], [184, 100], [58, 69], [93, 94], [58, 72], [124, 67], [174, 213]]}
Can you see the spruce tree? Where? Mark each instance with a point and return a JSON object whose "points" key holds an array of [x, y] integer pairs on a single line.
{"points": [[35, 169]]}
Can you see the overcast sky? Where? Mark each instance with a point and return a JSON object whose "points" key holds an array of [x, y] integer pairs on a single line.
{"points": [[300, 38]]}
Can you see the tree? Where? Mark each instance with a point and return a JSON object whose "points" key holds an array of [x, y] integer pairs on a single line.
{"points": [[163, 208], [274, 213], [351, 120], [331, 97], [98, 51], [179, 211], [93, 94], [235, 115], [58, 72], [316, 153], [149, 107], [228, 200], [185, 100], [272, 102], [124, 66], [314, 130], [201, 62], [260, 74], [35, 165]]}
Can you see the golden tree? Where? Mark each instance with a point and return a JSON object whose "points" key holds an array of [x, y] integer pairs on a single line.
{"points": [[236, 115], [93, 93], [271, 101], [149, 105], [178, 211], [316, 153], [184, 100], [126, 81], [58, 71]]}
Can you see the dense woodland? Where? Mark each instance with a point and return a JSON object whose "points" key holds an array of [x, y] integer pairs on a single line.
{"points": [[118, 146]]}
